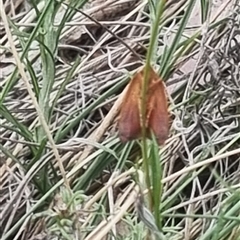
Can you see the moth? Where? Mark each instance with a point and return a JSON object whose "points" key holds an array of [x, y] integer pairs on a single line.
{"points": [[157, 117]]}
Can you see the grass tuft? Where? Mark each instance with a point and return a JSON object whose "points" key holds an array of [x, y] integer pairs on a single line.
{"points": [[64, 172]]}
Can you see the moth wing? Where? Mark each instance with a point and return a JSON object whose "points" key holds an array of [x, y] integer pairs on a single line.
{"points": [[157, 114], [129, 122]]}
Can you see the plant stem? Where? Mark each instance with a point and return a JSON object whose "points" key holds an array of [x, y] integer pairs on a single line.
{"points": [[144, 93]]}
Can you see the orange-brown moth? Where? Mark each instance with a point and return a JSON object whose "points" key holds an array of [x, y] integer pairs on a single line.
{"points": [[157, 118]]}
